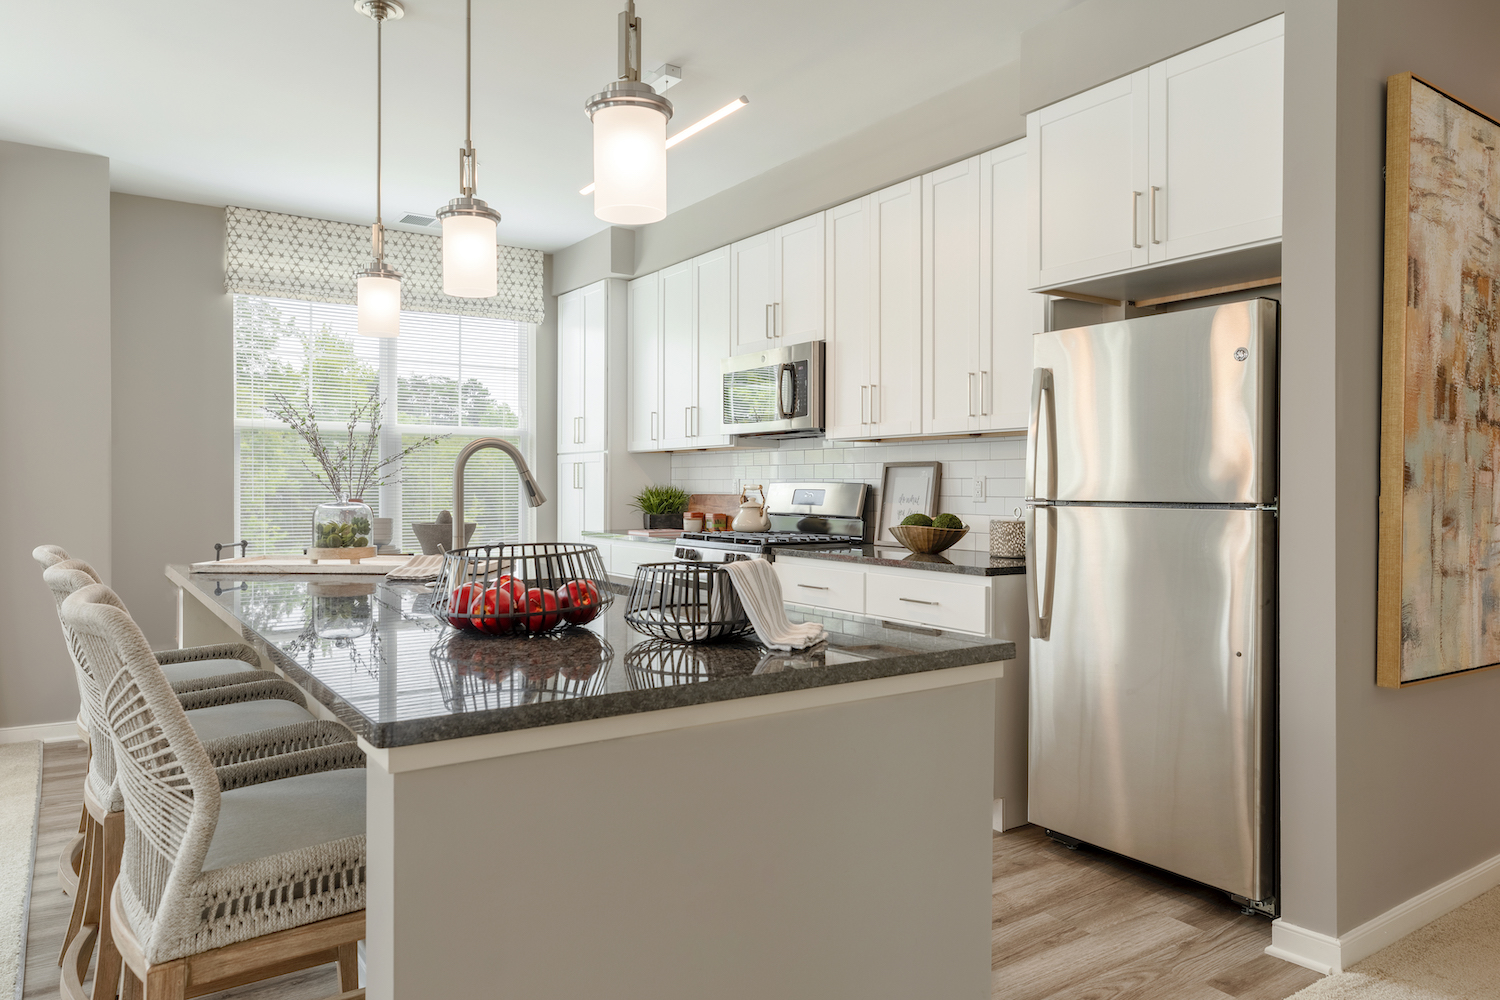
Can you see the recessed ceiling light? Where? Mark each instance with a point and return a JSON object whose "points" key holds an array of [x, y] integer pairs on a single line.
{"points": [[696, 127]]}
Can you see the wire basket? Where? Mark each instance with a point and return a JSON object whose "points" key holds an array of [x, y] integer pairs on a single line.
{"points": [[528, 588], [476, 675], [684, 602]]}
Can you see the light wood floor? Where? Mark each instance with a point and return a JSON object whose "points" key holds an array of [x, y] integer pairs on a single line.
{"points": [[1068, 925]]}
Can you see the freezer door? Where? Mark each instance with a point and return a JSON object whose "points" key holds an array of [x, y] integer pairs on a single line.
{"points": [[1177, 408], [1151, 697]]}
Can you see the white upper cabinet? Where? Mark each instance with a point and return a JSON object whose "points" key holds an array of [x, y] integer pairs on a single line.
{"points": [[1008, 313], [583, 369], [950, 298], [776, 287], [895, 405], [1088, 159], [1178, 160], [851, 332], [644, 350], [873, 260], [711, 327], [679, 356], [1215, 160]]}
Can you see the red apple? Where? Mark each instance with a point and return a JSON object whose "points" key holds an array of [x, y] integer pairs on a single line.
{"points": [[579, 601], [541, 607], [507, 597], [459, 607]]}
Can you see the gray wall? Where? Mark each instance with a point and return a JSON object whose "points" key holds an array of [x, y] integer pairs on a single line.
{"points": [[543, 403], [1419, 785], [173, 365], [54, 408]]}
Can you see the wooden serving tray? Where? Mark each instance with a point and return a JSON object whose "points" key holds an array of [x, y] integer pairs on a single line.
{"points": [[352, 553], [378, 566]]}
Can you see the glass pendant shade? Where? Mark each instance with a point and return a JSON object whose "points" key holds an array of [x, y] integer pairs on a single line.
{"points": [[469, 256], [379, 307], [630, 164]]}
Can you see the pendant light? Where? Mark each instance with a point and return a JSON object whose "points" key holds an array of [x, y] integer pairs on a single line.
{"points": [[469, 255], [630, 138], [379, 286]]}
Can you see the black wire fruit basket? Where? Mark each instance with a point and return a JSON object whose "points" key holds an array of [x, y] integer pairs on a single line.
{"points": [[522, 589], [685, 602]]}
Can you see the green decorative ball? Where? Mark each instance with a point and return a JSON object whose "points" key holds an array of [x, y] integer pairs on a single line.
{"points": [[947, 521], [920, 520]]}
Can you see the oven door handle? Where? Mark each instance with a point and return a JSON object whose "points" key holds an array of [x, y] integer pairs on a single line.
{"points": [[786, 391]]}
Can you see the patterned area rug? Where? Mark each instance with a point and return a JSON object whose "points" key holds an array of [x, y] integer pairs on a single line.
{"points": [[1456, 957], [20, 794]]}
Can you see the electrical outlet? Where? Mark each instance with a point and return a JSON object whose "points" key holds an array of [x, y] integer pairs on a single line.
{"points": [[978, 487]]}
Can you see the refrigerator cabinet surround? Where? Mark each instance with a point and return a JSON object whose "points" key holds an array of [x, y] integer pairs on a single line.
{"points": [[1151, 701], [1176, 408]]}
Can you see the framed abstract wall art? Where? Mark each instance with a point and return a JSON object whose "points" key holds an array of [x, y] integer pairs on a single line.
{"points": [[1439, 560]]}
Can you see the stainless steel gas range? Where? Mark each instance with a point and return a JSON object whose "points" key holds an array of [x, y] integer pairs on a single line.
{"points": [[803, 516]]}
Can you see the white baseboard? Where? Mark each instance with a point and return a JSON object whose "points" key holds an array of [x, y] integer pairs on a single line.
{"points": [[1328, 955], [48, 732]]}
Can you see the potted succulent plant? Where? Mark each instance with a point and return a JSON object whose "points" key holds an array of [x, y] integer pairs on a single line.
{"points": [[661, 506]]}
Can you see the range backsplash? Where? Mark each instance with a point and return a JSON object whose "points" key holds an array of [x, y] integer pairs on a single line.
{"points": [[998, 460]]}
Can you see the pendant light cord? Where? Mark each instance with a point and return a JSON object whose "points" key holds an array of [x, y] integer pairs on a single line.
{"points": [[468, 72], [379, 70]]}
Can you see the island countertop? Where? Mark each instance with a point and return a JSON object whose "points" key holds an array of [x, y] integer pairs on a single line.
{"points": [[373, 655], [967, 562]]}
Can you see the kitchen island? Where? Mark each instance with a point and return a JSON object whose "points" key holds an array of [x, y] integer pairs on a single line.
{"points": [[595, 813]]}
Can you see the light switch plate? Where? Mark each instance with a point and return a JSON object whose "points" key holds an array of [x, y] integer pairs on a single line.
{"points": [[978, 487]]}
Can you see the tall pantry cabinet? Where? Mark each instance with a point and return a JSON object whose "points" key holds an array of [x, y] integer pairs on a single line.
{"points": [[596, 474]]}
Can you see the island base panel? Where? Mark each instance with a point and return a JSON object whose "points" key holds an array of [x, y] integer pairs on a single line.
{"points": [[833, 852]]}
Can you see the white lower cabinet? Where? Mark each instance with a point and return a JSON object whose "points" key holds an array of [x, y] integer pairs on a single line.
{"points": [[987, 605], [582, 496], [624, 557]]}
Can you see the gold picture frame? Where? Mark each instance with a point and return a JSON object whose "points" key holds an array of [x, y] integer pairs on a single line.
{"points": [[1438, 579]]}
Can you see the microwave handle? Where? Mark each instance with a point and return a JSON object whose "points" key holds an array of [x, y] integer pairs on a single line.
{"points": [[786, 391]]}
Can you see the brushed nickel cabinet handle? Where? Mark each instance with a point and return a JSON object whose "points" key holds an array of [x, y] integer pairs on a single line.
{"points": [[810, 586], [1135, 220], [913, 600], [1154, 240], [864, 404]]}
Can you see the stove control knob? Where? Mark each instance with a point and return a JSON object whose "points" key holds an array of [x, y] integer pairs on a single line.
{"points": [[689, 555]]}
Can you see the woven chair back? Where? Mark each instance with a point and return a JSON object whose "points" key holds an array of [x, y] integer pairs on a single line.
{"points": [[63, 578], [170, 788], [49, 555]]}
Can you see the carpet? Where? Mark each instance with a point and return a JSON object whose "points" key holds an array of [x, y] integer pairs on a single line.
{"points": [[1456, 957], [20, 796]]}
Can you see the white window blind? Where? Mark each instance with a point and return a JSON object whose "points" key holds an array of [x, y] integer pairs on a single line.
{"points": [[457, 376]]}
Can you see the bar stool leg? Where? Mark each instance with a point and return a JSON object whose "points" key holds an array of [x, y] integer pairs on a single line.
{"points": [[348, 967], [107, 974], [85, 902]]}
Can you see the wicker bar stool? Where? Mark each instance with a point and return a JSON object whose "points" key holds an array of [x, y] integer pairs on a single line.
{"points": [[262, 722], [229, 875]]}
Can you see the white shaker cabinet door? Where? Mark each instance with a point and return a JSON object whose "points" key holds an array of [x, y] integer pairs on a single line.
{"points": [[950, 298], [1008, 313], [570, 365], [679, 356], [1215, 115], [582, 368], [581, 496], [895, 406], [797, 284], [848, 322], [751, 264], [643, 419], [1088, 165], [711, 324]]}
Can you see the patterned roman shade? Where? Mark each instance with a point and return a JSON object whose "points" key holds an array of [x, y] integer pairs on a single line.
{"points": [[291, 257]]}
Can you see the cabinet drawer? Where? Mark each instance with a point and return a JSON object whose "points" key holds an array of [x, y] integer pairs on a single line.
{"points": [[624, 557], [935, 603], [804, 581]]}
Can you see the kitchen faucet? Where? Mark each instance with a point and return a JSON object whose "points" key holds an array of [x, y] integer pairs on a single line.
{"points": [[534, 495]]}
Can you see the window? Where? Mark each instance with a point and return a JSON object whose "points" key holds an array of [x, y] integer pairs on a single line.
{"points": [[458, 376]]}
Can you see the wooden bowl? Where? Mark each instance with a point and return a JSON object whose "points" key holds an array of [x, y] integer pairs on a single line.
{"points": [[927, 540]]}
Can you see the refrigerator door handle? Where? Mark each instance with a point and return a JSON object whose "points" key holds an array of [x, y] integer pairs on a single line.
{"points": [[1041, 550], [1041, 384]]}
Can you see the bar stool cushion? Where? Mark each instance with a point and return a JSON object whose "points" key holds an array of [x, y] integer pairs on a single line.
{"points": [[222, 721], [197, 670], [279, 816]]}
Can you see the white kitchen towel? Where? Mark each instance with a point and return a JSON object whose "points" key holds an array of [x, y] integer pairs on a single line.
{"points": [[417, 568], [760, 592]]}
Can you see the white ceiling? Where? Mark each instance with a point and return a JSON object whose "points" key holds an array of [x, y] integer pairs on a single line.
{"points": [[271, 104]]}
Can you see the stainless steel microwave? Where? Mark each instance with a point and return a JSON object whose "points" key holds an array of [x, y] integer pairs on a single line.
{"points": [[779, 391]]}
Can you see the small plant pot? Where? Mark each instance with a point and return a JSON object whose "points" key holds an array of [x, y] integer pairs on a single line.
{"points": [[662, 520]]}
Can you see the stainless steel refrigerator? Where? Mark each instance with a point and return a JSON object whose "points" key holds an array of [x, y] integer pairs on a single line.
{"points": [[1151, 572]]}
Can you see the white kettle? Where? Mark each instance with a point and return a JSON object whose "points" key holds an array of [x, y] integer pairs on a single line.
{"points": [[752, 515]]}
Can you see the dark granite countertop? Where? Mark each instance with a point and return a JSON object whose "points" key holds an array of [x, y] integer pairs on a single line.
{"points": [[965, 561], [369, 650], [626, 536]]}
